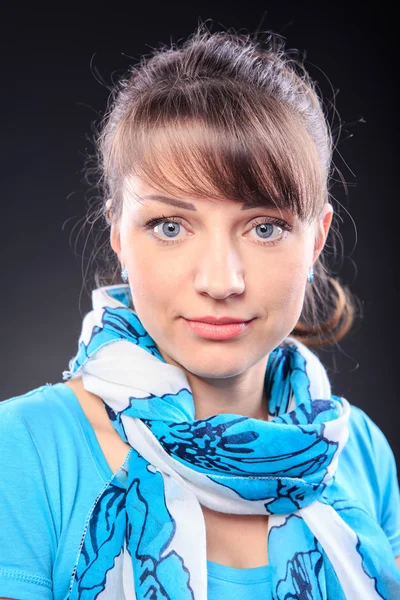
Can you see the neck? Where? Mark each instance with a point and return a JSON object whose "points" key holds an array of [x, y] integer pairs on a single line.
{"points": [[242, 394]]}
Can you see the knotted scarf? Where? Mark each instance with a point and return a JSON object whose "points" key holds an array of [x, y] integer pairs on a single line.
{"points": [[148, 541]]}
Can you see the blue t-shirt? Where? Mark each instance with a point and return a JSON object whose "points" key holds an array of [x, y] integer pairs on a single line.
{"points": [[52, 469]]}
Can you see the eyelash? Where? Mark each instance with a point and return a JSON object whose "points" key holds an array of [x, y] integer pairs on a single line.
{"points": [[269, 220]]}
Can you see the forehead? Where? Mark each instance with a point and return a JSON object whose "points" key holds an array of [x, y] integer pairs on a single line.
{"points": [[138, 192]]}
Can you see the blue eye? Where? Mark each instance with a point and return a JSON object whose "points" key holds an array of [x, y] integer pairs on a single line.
{"points": [[169, 228], [269, 229]]}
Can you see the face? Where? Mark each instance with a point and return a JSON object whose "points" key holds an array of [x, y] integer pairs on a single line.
{"points": [[215, 260]]}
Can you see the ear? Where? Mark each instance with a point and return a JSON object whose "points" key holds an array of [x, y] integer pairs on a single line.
{"points": [[323, 226]]}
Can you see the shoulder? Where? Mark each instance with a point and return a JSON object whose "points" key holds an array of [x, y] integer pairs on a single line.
{"points": [[367, 468], [367, 442], [374, 448], [50, 408], [370, 441], [32, 427], [40, 402], [44, 424], [22, 416]]}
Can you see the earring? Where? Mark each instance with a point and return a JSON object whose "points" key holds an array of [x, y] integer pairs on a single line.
{"points": [[124, 274], [310, 274]]}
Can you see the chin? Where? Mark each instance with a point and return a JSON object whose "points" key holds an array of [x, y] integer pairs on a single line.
{"points": [[217, 367]]}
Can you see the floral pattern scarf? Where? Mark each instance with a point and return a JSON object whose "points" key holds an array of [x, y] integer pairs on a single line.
{"points": [[148, 541]]}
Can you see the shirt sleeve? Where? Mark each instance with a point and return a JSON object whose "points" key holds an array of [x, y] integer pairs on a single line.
{"points": [[28, 538], [388, 494]]}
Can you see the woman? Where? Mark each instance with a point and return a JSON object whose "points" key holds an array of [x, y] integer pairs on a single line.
{"points": [[195, 449]]}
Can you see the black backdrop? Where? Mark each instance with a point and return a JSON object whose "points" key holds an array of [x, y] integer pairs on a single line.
{"points": [[52, 66]]}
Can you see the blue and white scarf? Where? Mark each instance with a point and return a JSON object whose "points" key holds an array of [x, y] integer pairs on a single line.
{"points": [[149, 541]]}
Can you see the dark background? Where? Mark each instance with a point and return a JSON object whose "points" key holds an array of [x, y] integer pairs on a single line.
{"points": [[53, 66]]}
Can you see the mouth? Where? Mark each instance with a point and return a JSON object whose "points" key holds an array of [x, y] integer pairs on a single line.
{"points": [[217, 332]]}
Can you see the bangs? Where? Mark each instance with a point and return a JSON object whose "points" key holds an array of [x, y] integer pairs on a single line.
{"points": [[261, 157]]}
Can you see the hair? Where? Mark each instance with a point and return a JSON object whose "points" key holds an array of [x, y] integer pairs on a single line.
{"points": [[227, 116]]}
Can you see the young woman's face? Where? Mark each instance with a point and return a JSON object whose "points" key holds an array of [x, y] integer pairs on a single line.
{"points": [[213, 258]]}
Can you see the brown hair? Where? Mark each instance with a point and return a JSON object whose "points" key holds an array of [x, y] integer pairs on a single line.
{"points": [[232, 117]]}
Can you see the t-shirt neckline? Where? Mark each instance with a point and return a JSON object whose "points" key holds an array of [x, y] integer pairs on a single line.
{"points": [[238, 575]]}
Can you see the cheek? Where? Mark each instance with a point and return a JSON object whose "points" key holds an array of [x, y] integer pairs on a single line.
{"points": [[152, 282], [283, 290], [293, 282]]}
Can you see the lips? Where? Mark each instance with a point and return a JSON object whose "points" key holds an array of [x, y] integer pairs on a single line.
{"points": [[218, 320], [219, 331]]}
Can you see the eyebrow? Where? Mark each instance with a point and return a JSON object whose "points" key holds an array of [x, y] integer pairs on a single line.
{"points": [[188, 205]]}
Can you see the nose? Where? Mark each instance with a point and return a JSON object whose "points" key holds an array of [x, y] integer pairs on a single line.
{"points": [[220, 271]]}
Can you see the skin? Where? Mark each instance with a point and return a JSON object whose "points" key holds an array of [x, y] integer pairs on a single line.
{"points": [[220, 267]]}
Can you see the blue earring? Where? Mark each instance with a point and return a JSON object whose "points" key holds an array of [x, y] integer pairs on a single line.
{"points": [[124, 274], [310, 275]]}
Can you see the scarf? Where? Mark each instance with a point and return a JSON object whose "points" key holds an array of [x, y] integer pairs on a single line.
{"points": [[148, 541]]}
